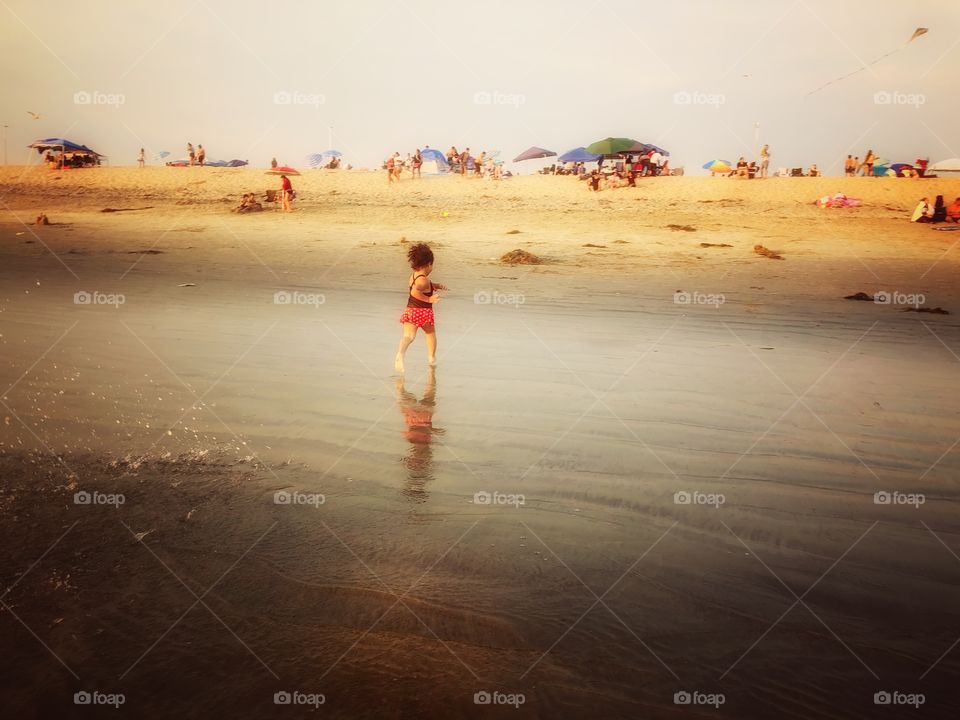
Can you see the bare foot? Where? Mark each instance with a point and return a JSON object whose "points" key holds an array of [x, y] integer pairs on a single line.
{"points": [[398, 364]]}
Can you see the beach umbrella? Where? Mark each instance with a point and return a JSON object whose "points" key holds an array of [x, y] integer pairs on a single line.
{"points": [[579, 154], [718, 166], [534, 153], [282, 170], [332, 153], [880, 167], [161, 155], [642, 147], [314, 160], [950, 165], [898, 167], [611, 146]]}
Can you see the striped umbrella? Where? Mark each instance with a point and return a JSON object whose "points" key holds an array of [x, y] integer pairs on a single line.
{"points": [[718, 166], [315, 160]]}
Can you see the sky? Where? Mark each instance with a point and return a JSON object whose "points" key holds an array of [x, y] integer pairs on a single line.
{"points": [[702, 78]]}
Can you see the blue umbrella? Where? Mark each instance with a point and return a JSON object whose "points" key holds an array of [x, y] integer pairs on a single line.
{"points": [[332, 153], [314, 160], [579, 154]]}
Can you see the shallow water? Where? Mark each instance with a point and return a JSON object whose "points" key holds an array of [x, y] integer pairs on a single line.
{"points": [[404, 592]]}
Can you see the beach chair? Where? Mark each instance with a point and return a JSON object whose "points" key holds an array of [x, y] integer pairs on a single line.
{"points": [[796, 172]]}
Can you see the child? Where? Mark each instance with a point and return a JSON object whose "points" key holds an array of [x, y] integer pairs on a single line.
{"points": [[419, 310]]}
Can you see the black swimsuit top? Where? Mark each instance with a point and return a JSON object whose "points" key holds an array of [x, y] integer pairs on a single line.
{"points": [[417, 302]]}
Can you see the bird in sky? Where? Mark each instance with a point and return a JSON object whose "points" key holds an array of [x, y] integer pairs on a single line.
{"points": [[35, 116]]}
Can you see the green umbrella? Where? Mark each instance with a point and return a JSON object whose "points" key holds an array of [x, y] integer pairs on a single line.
{"points": [[611, 146]]}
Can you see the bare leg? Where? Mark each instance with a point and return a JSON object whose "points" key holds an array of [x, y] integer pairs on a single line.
{"points": [[431, 333], [409, 333]]}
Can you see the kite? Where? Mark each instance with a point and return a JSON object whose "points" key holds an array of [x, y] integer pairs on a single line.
{"points": [[916, 33], [35, 116]]}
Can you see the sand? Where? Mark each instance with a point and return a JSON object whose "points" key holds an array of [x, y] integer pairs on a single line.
{"points": [[586, 384]]}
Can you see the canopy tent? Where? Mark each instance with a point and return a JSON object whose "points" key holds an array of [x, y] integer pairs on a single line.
{"points": [[67, 149], [579, 154], [63, 145], [948, 166], [534, 153], [434, 162]]}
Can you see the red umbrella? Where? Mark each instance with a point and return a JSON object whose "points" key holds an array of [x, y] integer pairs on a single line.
{"points": [[283, 170]]}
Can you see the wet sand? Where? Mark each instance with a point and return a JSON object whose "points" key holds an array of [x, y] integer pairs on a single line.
{"points": [[597, 399]]}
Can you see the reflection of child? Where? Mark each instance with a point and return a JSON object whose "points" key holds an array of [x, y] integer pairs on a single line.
{"points": [[418, 418], [419, 310]]}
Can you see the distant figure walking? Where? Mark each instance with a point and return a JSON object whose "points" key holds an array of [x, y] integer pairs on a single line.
{"points": [[764, 160], [420, 301], [140, 158], [191, 153], [201, 155]]}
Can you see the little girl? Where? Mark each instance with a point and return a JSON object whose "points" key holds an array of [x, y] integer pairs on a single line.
{"points": [[419, 310]]}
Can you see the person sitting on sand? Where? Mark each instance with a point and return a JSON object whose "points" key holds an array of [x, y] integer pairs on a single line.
{"points": [[814, 171], [593, 182], [742, 168], [420, 301], [939, 210], [286, 193], [953, 211], [921, 213], [249, 204]]}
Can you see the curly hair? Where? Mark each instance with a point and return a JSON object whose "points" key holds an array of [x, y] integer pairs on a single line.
{"points": [[420, 255]]}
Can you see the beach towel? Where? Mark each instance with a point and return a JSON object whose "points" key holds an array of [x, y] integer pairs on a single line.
{"points": [[839, 200]]}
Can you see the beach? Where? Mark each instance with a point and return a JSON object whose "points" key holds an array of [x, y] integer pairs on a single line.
{"points": [[657, 462]]}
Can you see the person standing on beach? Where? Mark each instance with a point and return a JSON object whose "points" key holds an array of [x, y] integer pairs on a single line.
{"points": [[191, 153], [416, 163], [420, 301], [201, 155], [849, 166], [273, 164], [286, 193], [464, 159], [140, 158], [764, 160], [868, 162]]}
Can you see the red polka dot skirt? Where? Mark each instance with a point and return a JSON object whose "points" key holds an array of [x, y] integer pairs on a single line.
{"points": [[417, 316]]}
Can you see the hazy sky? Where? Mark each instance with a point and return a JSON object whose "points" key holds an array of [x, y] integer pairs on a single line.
{"points": [[253, 80]]}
